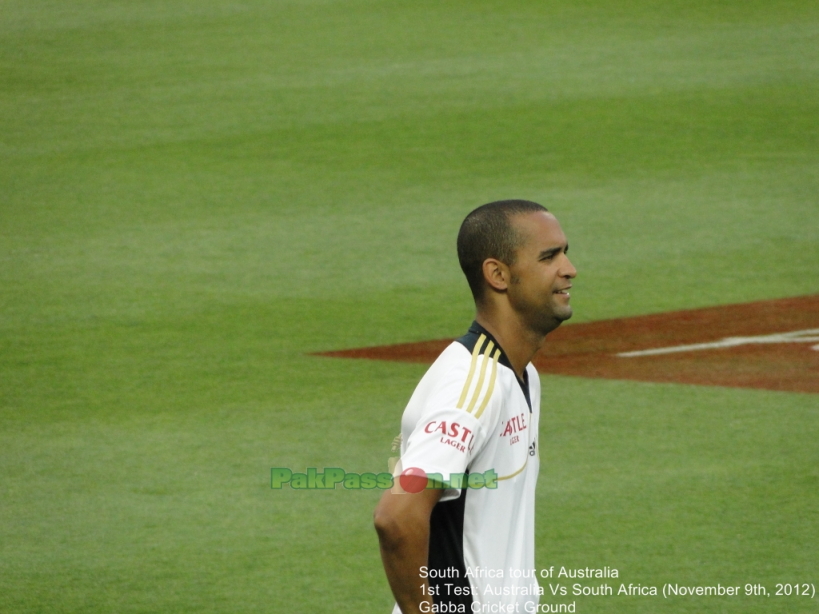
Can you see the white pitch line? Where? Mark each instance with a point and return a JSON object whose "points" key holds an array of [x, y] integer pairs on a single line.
{"points": [[797, 336]]}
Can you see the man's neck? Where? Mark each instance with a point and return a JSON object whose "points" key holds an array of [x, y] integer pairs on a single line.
{"points": [[519, 343]]}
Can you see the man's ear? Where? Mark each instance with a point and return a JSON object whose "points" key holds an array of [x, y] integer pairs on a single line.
{"points": [[496, 274]]}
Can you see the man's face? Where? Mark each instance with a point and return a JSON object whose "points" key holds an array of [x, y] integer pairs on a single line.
{"points": [[542, 273]]}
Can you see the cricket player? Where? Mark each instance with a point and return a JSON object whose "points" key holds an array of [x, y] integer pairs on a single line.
{"points": [[464, 541]]}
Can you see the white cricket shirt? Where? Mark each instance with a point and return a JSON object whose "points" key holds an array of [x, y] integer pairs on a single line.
{"points": [[471, 414]]}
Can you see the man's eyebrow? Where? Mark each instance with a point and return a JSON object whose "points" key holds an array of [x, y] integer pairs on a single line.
{"points": [[546, 253]]}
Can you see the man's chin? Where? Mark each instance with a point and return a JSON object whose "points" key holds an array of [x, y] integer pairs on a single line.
{"points": [[556, 318], [564, 314]]}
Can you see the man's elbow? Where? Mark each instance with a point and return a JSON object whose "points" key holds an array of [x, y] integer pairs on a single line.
{"points": [[387, 527], [402, 518]]}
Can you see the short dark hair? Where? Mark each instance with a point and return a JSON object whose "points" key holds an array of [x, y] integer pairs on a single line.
{"points": [[488, 232]]}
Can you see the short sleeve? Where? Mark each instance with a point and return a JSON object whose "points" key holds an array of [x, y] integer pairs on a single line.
{"points": [[455, 421]]}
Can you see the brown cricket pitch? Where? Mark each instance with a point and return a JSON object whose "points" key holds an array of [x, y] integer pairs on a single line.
{"points": [[591, 349]]}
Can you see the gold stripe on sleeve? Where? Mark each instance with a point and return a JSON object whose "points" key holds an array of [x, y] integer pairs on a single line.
{"points": [[477, 393], [475, 353], [491, 383]]}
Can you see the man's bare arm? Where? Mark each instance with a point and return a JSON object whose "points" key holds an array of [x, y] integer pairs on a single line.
{"points": [[402, 523]]}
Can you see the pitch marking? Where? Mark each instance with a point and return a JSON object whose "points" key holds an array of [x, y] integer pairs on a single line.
{"points": [[797, 336]]}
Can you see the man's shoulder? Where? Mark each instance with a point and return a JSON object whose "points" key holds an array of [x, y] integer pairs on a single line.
{"points": [[478, 341], [458, 374], [467, 356], [454, 359]]}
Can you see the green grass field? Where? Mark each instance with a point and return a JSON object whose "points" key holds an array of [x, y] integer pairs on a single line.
{"points": [[195, 195]]}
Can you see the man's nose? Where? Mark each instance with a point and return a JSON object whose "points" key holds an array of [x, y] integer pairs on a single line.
{"points": [[568, 269]]}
